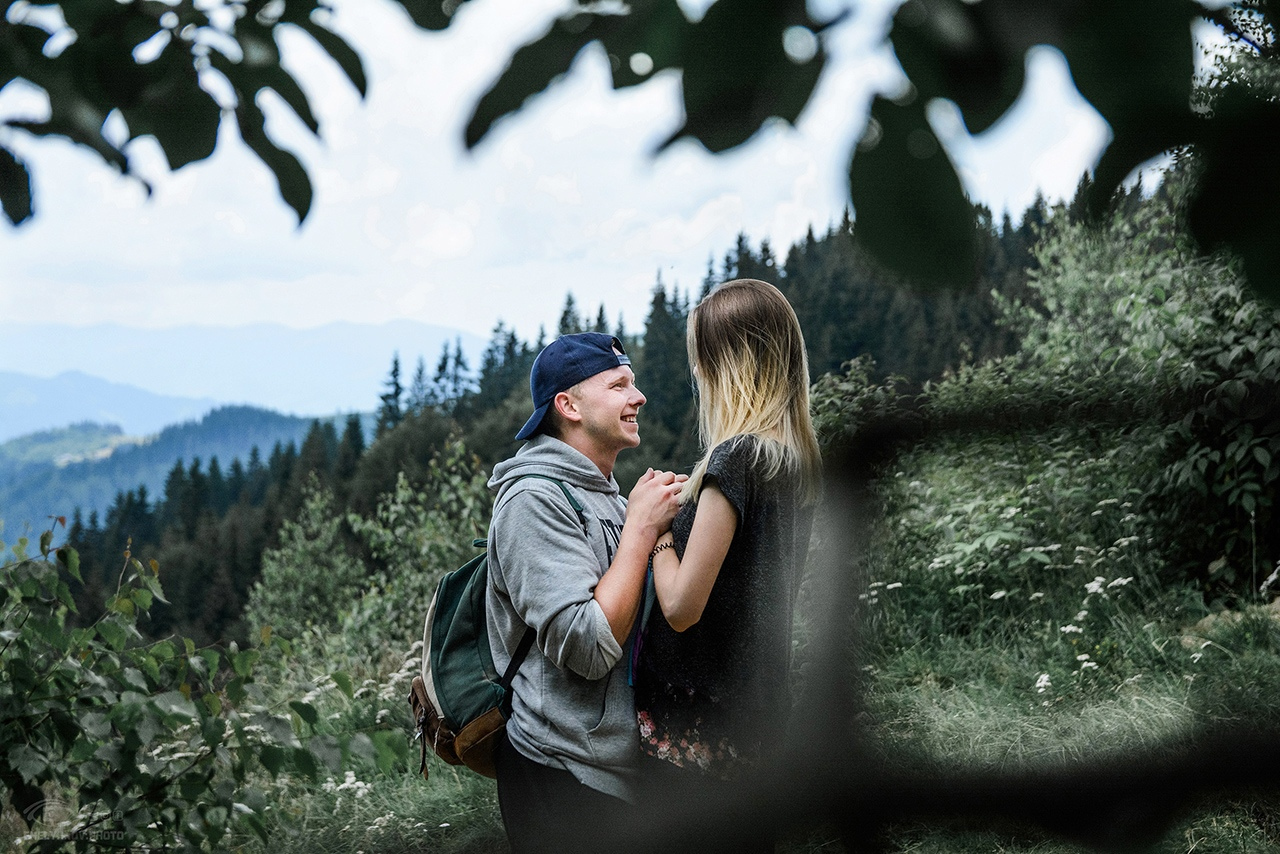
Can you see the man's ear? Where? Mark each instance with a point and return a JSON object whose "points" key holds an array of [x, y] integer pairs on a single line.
{"points": [[566, 406]]}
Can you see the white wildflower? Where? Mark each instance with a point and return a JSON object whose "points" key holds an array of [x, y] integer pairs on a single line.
{"points": [[999, 594], [1096, 585], [1120, 582], [894, 586], [1079, 618], [1072, 630], [1043, 683]]}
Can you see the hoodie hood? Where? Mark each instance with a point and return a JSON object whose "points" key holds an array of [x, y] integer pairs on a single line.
{"points": [[548, 456]]}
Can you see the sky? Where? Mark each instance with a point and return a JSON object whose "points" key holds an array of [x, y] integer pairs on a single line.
{"points": [[567, 196]]}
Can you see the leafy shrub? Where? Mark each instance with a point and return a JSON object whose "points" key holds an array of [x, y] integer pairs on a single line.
{"points": [[310, 579], [112, 742]]}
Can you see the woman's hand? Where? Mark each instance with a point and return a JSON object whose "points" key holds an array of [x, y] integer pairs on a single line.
{"points": [[653, 501]]}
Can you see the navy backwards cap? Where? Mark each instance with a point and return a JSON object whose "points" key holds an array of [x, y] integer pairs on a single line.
{"points": [[564, 363]]}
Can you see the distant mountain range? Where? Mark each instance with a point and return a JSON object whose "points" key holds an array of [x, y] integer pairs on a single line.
{"points": [[32, 404], [52, 472], [339, 367]]}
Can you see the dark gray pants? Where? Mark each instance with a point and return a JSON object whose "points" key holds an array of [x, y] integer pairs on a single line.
{"points": [[547, 811]]}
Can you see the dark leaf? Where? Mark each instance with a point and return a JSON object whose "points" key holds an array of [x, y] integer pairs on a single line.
{"points": [[737, 73], [340, 51], [658, 29], [306, 711], [431, 14], [295, 186], [304, 762], [912, 213], [70, 558], [1133, 63], [283, 84], [1236, 205], [15, 188], [951, 49], [173, 108], [533, 68], [272, 758]]}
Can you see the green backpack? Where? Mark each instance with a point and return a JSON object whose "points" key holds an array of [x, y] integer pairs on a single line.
{"points": [[459, 703]]}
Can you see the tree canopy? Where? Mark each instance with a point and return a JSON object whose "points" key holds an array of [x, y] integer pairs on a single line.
{"points": [[172, 71]]}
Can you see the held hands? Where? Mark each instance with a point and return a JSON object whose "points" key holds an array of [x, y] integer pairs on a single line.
{"points": [[654, 500]]}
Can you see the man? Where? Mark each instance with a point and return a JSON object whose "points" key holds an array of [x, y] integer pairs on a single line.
{"points": [[566, 767]]}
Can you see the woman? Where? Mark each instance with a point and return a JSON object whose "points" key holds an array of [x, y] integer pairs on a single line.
{"points": [[711, 679]]}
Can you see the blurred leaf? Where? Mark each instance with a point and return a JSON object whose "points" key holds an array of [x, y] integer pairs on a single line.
{"points": [[173, 108], [294, 185], [304, 762], [1134, 63], [341, 52], [306, 711], [656, 28], [911, 211], [431, 14], [15, 188], [343, 681], [533, 68], [272, 758], [951, 49], [737, 73], [1236, 205]]}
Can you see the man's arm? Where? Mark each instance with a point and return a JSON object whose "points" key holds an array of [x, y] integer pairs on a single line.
{"points": [[651, 506]]}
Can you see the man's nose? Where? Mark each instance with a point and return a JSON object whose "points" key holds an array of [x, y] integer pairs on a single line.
{"points": [[639, 398]]}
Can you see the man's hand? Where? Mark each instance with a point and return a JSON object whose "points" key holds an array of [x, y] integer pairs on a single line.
{"points": [[654, 500]]}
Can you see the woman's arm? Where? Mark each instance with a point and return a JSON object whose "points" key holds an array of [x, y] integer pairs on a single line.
{"points": [[684, 586]]}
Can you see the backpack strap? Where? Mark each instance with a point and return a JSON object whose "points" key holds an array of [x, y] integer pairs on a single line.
{"points": [[526, 640], [573, 502], [517, 658]]}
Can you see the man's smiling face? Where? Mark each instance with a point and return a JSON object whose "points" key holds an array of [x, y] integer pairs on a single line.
{"points": [[608, 403]]}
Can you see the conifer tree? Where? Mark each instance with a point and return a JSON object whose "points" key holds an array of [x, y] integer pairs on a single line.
{"points": [[570, 322], [419, 389], [390, 412], [350, 447]]}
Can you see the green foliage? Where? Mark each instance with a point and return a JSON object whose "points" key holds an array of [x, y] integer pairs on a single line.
{"points": [[143, 62], [1181, 333], [310, 579], [113, 743], [417, 535]]}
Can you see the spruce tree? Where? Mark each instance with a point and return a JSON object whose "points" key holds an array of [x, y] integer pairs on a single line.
{"points": [[419, 389], [570, 322], [390, 413]]}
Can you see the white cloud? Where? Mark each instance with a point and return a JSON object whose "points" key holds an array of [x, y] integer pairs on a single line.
{"points": [[564, 196]]}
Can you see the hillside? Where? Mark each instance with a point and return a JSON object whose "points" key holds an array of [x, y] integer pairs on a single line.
{"points": [[33, 486]]}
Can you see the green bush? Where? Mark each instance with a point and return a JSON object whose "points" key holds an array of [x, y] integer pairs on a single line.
{"points": [[113, 742]]}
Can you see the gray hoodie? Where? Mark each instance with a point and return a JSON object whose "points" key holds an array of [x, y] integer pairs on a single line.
{"points": [[573, 708]]}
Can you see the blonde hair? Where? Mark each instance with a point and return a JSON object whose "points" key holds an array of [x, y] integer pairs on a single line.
{"points": [[748, 358]]}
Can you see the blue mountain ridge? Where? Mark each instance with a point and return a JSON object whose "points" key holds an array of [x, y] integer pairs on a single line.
{"points": [[32, 492]]}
